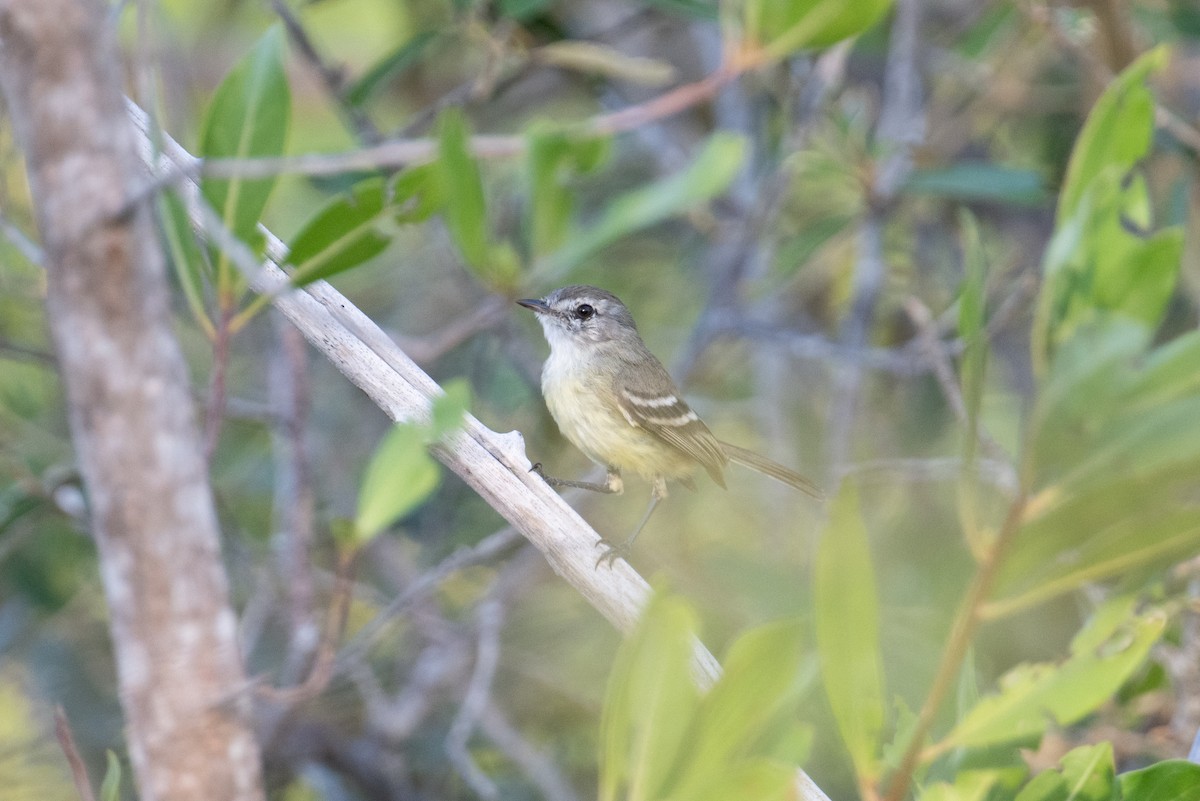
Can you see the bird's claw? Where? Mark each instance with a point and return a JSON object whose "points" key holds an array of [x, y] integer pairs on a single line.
{"points": [[612, 552], [537, 468]]}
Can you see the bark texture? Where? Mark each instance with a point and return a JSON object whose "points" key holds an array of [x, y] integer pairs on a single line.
{"points": [[131, 416]]}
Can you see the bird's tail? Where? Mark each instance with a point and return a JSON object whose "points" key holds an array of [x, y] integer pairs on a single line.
{"points": [[775, 470]]}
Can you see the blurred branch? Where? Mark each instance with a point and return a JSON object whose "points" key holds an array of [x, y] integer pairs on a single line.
{"points": [[293, 500], [332, 78], [406, 152], [28, 353], [901, 126], [540, 770], [489, 616], [32, 252], [66, 741]]}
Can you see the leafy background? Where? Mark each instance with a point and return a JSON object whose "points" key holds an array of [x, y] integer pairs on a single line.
{"points": [[1008, 407]]}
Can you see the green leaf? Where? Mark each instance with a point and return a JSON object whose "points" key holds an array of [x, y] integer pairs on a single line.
{"points": [[450, 408], [981, 182], [110, 788], [756, 779], [343, 234], [248, 118], [1099, 259], [1173, 780], [400, 477], [1034, 697], [1090, 773], [389, 67], [1087, 774], [759, 684], [708, 176], [462, 188], [1118, 130], [186, 257], [847, 627], [650, 703], [552, 158], [782, 27]]}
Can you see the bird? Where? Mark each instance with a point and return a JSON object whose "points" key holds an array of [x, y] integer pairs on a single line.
{"points": [[617, 403]]}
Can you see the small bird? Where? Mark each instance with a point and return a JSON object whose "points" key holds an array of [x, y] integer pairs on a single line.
{"points": [[616, 402]]}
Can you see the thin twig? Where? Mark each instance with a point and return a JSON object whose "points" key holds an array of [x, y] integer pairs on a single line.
{"points": [[66, 741], [540, 769], [489, 617], [966, 621]]}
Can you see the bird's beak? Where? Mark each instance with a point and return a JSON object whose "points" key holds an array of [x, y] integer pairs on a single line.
{"points": [[536, 304]]}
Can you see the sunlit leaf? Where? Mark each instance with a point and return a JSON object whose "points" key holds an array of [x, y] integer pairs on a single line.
{"points": [[1034, 697], [760, 681], [598, 59], [248, 118], [449, 409], [1173, 780], [1117, 132], [757, 779], [650, 703], [782, 27], [708, 176], [847, 627], [400, 477]]}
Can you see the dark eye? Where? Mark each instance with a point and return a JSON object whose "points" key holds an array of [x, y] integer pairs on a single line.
{"points": [[584, 311]]}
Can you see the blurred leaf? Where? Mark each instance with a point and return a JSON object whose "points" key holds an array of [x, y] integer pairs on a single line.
{"points": [[110, 788], [1103, 257], [1035, 697], [971, 331], [1049, 785], [462, 189], [751, 779], [389, 67], [969, 785], [186, 256], [522, 10], [400, 477], [598, 59], [1172, 780], [417, 193], [980, 182], [847, 625], [782, 27], [1169, 372], [343, 234], [650, 702], [450, 408], [552, 157], [759, 683], [1087, 774], [700, 9], [248, 118], [1117, 133], [708, 176]]}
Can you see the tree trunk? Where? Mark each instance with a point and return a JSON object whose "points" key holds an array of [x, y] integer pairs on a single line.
{"points": [[131, 415]]}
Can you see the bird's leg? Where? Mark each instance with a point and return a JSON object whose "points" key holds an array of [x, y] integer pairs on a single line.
{"points": [[613, 552], [613, 485]]}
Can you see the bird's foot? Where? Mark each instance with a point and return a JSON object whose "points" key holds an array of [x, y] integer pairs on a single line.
{"points": [[613, 552]]}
